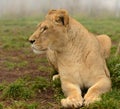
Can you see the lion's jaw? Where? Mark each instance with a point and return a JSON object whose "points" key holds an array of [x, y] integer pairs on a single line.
{"points": [[37, 51]]}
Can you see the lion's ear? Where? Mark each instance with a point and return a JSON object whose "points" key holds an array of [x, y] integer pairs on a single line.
{"points": [[51, 11], [62, 17]]}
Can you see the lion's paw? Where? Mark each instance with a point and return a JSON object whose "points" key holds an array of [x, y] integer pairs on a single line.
{"points": [[91, 99], [72, 102], [55, 77]]}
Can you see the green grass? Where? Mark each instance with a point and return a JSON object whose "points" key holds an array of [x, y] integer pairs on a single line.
{"points": [[110, 100], [108, 26], [17, 90], [14, 65], [41, 60], [40, 84], [24, 88], [45, 69], [58, 94], [1, 106], [114, 68], [17, 56], [22, 105]]}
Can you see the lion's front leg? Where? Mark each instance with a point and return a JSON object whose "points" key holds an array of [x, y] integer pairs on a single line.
{"points": [[57, 76], [73, 95], [94, 92]]}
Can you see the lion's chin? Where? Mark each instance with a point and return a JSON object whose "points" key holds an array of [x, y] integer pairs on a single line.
{"points": [[39, 52]]}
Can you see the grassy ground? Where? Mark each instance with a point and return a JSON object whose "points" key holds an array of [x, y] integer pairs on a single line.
{"points": [[25, 78]]}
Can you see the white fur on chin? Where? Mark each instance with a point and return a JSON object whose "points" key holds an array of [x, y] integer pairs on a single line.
{"points": [[38, 52]]}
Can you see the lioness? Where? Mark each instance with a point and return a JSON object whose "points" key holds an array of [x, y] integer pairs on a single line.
{"points": [[76, 54]]}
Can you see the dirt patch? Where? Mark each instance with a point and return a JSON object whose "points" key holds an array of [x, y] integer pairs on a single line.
{"points": [[10, 70], [15, 57]]}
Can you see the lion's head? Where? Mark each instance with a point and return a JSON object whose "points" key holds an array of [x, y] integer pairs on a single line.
{"points": [[51, 33]]}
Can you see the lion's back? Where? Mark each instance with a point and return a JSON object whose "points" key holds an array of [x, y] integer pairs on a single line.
{"points": [[105, 43]]}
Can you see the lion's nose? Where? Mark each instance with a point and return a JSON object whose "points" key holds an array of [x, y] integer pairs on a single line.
{"points": [[31, 41]]}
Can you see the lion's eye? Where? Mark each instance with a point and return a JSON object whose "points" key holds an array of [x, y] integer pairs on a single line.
{"points": [[44, 28]]}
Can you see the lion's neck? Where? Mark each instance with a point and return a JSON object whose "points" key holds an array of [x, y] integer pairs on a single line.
{"points": [[78, 37], [77, 43]]}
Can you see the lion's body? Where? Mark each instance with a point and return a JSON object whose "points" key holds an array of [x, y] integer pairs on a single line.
{"points": [[78, 57], [105, 44]]}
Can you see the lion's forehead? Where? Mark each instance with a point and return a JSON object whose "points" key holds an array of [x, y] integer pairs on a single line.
{"points": [[52, 17], [47, 23]]}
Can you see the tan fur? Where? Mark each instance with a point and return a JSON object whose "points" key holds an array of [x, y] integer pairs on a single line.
{"points": [[76, 54], [105, 44]]}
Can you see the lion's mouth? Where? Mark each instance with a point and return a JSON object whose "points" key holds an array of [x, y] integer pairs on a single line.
{"points": [[39, 51]]}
